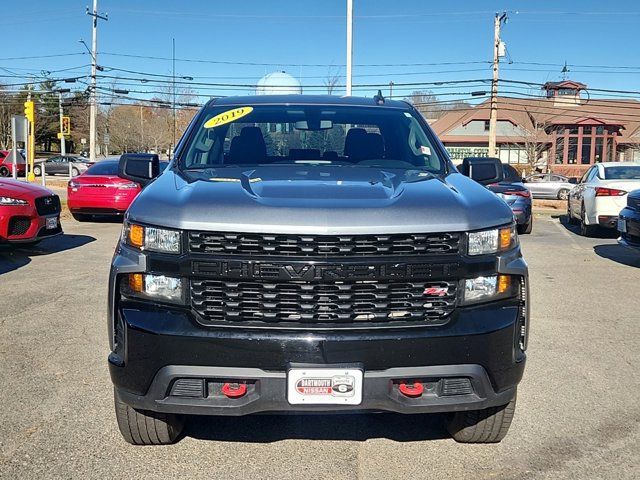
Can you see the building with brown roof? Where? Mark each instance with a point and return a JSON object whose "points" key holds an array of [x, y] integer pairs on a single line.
{"points": [[563, 131]]}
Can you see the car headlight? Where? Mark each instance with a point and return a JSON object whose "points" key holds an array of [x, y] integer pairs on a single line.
{"points": [[492, 241], [154, 287], [486, 289], [151, 238], [12, 201]]}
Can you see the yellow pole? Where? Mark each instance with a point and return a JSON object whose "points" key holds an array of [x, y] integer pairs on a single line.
{"points": [[29, 112]]}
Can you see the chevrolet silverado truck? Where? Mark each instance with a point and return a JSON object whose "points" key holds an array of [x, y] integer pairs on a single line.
{"points": [[306, 254]]}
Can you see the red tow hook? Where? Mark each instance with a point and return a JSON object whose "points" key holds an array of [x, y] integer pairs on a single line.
{"points": [[234, 390], [412, 390]]}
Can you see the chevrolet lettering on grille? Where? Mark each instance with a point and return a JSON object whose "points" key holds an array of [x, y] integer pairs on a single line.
{"points": [[311, 272]]}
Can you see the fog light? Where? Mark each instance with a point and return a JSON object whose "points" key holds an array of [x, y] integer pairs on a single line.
{"points": [[156, 287], [484, 289]]}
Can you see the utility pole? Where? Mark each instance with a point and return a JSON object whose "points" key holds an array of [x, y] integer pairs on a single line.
{"points": [[391, 89], [173, 106], [94, 63], [349, 45], [493, 118]]}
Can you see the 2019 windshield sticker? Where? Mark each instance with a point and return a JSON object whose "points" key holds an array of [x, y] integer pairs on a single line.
{"points": [[228, 117]]}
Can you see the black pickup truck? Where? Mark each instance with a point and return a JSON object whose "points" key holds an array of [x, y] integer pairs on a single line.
{"points": [[315, 254]]}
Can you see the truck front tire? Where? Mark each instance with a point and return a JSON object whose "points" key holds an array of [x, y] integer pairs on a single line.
{"points": [[140, 427], [481, 426]]}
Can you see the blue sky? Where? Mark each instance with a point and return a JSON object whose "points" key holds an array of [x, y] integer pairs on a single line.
{"points": [[283, 34]]}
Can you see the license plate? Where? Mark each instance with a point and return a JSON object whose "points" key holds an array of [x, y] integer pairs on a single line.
{"points": [[324, 386], [52, 223], [622, 225]]}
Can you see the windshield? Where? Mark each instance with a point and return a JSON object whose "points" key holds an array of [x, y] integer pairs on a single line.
{"points": [[320, 135], [622, 173]]}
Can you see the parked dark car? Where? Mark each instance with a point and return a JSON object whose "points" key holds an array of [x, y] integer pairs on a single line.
{"points": [[347, 266], [549, 185], [512, 190], [60, 165], [629, 221]]}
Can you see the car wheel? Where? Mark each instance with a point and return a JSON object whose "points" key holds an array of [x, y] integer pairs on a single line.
{"points": [[141, 427], [37, 171], [527, 227], [482, 426], [81, 217], [75, 172], [586, 230], [563, 194], [4, 172]]}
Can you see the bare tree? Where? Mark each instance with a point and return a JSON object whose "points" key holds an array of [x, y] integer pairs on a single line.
{"points": [[332, 80], [534, 140], [428, 104]]}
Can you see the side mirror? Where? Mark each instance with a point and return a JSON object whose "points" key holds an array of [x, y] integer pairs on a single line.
{"points": [[484, 170], [142, 168]]}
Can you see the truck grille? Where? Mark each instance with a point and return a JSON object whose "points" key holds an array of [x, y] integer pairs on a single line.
{"points": [[48, 205], [250, 244], [348, 302]]}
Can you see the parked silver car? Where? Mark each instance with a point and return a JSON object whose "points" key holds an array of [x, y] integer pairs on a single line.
{"points": [[549, 185]]}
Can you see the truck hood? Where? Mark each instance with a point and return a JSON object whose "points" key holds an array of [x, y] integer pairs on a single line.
{"points": [[318, 200], [21, 190]]}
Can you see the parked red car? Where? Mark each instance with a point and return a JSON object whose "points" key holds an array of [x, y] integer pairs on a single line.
{"points": [[28, 213], [6, 164], [100, 191]]}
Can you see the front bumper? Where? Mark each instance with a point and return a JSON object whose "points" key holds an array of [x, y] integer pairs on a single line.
{"points": [[159, 345], [12, 219]]}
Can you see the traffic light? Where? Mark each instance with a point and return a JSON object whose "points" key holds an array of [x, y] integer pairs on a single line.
{"points": [[29, 110], [66, 125]]}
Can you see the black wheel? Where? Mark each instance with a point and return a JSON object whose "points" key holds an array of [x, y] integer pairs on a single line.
{"points": [[4, 172], [141, 427], [37, 171], [586, 230], [482, 426], [81, 217], [527, 227], [570, 219], [75, 172], [563, 194]]}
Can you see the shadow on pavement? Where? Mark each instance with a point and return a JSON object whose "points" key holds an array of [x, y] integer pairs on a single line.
{"points": [[618, 254], [16, 256], [348, 427], [575, 228]]}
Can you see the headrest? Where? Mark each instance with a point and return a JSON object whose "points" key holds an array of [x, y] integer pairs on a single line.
{"points": [[349, 140], [248, 147]]}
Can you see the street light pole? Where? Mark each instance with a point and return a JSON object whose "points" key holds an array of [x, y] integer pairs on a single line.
{"points": [[349, 45]]}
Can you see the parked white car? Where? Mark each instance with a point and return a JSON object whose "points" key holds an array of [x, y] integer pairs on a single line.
{"points": [[601, 193]]}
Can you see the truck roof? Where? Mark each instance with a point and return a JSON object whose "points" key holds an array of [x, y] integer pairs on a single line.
{"points": [[305, 100]]}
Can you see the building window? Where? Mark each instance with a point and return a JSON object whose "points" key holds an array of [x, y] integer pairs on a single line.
{"points": [[559, 150], [486, 125], [586, 150], [576, 144]]}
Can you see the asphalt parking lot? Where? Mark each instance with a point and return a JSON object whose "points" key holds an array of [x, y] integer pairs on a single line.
{"points": [[578, 413]]}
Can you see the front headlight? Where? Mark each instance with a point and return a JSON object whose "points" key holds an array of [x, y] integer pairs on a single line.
{"points": [[492, 241], [12, 201], [151, 238], [154, 287], [486, 289]]}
